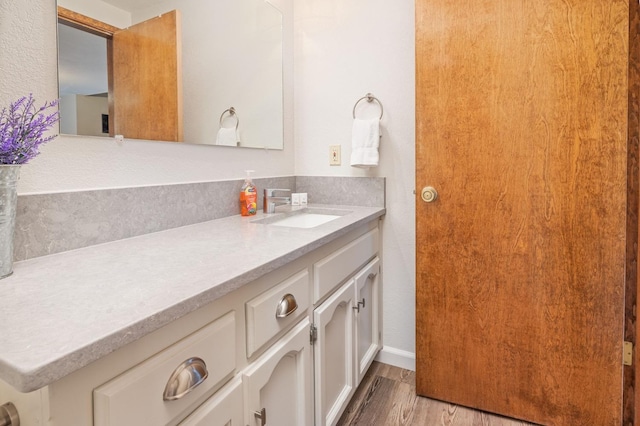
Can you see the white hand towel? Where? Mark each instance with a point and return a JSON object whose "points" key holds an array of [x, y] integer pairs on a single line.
{"points": [[227, 136], [365, 140]]}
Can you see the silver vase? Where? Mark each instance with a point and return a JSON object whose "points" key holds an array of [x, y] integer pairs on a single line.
{"points": [[8, 200]]}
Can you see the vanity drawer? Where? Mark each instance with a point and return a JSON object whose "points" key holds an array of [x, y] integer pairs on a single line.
{"points": [[273, 311], [338, 266], [137, 397]]}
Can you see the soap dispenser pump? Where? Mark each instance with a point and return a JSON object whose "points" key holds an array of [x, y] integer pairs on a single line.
{"points": [[248, 197]]}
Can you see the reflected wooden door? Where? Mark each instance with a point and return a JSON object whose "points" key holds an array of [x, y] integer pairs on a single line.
{"points": [[521, 127], [147, 80]]}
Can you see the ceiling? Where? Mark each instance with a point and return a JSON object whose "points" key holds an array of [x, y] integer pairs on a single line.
{"points": [[130, 5]]}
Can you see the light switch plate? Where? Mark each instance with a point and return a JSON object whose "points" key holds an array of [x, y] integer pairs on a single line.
{"points": [[334, 155]]}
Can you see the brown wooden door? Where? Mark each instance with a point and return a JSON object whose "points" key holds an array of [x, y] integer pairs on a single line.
{"points": [[147, 81], [521, 127]]}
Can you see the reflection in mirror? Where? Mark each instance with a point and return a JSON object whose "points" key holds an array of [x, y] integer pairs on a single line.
{"points": [[83, 82], [228, 55]]}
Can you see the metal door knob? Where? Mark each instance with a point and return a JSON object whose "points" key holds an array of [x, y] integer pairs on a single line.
{"points": [[429, 194]]}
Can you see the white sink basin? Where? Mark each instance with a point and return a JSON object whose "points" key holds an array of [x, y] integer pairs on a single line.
{"points": [[303, 218], [306, 220]]}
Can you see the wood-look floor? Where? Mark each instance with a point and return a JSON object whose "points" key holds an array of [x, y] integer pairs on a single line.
{"points": [[387, 397]]}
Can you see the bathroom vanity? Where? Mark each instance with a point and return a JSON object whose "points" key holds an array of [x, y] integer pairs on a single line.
{"points": [[234, 321]]}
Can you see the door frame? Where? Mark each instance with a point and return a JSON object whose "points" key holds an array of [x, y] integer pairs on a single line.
{"points": [[631, 374]]}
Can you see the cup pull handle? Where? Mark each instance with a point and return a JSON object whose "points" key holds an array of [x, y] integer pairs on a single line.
{"points": [[185, 378], [287, 306], [9, 415]]}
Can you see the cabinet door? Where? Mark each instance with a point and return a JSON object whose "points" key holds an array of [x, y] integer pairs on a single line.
{"points": [[278, 383], [224, 408], [367, 317], [333, 354]]}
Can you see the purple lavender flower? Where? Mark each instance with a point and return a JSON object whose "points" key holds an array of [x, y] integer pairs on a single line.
{"points": [[22, 129]]}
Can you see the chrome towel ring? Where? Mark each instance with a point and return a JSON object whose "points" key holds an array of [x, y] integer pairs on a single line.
{"points": [[370, 98], [232, 113]]}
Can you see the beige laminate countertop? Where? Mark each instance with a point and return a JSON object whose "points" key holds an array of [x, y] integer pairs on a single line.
{"points": [[60, 312]]}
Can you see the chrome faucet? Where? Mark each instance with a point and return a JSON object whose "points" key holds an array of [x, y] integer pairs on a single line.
{"points": [[270, 201]]}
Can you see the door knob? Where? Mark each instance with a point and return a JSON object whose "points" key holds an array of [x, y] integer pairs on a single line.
{"points": [[429, 194]]}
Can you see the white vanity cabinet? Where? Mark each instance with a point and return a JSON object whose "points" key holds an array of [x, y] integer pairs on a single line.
{"points": [[346, 324], [277, 387], [161, 388], [255, 345], [367, 323], [276, 309], [334, 354], [348, 339], [225, 408]]}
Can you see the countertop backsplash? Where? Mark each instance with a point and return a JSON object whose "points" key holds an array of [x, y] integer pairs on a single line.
{"points": [[345, 191], [57, 222]]}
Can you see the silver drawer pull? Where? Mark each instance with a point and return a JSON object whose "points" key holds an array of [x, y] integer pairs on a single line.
{"points": [[9, 415], [287, 306], [185, 378], [372, 275], [262, 415]]}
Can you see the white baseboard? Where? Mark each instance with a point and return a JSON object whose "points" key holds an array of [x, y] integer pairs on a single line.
{"points": [[397, 358]]}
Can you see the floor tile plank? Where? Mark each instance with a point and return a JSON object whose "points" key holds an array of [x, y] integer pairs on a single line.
{"points": [[387, 397]]}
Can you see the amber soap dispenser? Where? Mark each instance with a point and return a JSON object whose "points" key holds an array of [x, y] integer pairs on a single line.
{"points": [[248, 196]]}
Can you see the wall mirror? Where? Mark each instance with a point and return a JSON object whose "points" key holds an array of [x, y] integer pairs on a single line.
{"points": [[218, 79]]}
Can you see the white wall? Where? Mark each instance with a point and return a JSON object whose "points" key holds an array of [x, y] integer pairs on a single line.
{"points": [[90, 112], [68, 108], [28, 64], [83, 114], [343, 50]]}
